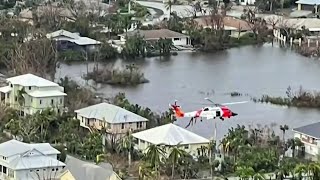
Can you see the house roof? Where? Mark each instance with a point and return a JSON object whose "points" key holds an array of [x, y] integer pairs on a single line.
{"points": [[74, 37], [50, 93], [14, 147], [5, 89], [156, 34], [82, 170], [31, 80], [110, 113], [170, 134], [34, 162], [63, 32], [310, 130], [308, 2], [228, 22]]}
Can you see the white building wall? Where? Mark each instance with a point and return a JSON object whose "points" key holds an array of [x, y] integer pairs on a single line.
{"points": [[247, 2], [43, 173], [310, 148], [180, 41]]}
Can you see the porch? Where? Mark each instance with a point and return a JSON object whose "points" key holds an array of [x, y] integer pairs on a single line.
{"points": [[5, 94]]}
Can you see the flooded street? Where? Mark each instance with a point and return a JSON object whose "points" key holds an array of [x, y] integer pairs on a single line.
{"points": [[190, 77]]}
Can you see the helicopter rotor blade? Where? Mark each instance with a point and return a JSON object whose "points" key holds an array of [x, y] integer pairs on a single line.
{"points": [[232, 103]]}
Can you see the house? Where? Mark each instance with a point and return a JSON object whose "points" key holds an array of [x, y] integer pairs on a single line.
{"points": [[37, 94], [234, 26], [68, 40], [178, 39], [22, 161], [170, 135], [247, 2], [82, 170], [308, 5], [116, 120], [310, 137]]}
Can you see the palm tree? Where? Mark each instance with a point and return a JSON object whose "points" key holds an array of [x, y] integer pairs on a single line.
{"points": [[21, 99], [245, 172], [314, 170], [284, 129], [300, 169], [154, 156], [175, 154], [168, 6], [211, 149], [126, 144]]}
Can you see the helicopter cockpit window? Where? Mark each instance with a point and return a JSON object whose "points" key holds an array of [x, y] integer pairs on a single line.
{"points": [[206, 109]]}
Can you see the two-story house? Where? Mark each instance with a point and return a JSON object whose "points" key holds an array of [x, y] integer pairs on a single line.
{"points": [[114, 119], [29, 93], [309, 135], [22, 161]]}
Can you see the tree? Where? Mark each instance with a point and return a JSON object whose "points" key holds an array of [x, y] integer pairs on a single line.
{"points": [[168, 5], [284, 129], [154, 155], [300, 169], [244, 173], [36, 57], [174, 155], [92, 145], [126, 144], [21, 100]]}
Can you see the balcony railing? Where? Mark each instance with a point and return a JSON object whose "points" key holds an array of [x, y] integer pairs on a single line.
{"points": [[310, 141]]}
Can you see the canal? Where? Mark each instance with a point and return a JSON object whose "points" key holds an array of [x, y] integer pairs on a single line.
{"points": [[190, 77]]}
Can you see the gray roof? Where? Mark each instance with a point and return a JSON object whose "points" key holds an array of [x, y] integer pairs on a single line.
{"points": [[31, 80], [155, 34], [82, 170], [14, 147], [310, 130], [110, 113]]}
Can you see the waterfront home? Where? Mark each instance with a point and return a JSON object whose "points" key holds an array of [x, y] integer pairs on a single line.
{"points": [[22, 161], [308, 5], [73, 41], [310, 137], [115, 120], [30, 93], [82, 170], [233, 26], [170, 135], [178, 39]]}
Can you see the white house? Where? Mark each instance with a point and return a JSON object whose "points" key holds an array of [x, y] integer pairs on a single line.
{"points": [[247, 2], [308, 5], [170, 135], [310, 137], [69, 40], [21, 161], [178, 39], [38, 94], [116, 120]]}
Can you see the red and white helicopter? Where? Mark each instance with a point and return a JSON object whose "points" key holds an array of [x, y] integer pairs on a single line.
{"points": [[210, 112]]}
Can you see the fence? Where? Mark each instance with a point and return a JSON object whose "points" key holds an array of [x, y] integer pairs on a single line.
{"points": [[309, 43]]}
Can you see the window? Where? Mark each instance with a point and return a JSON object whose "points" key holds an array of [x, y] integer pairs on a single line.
{"points": [[186, 147], [8, 94], [58, 111], [52, 101], [176, 39], [40, 102], [29, 87], [15, 98], [57, 169], [4, 170], [122, 126], [206, 109], [60, 100], [52, 169], [137, 125], [140, 125], [11, 85], [0, 168], [31, 100]]}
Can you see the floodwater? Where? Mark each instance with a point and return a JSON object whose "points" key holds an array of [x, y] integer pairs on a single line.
{"points": [[190, 77]]}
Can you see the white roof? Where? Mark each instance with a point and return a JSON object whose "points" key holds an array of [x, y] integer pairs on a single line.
{"points": [[110, 113], [31, 80], [5, 89], [14, 147], [170, 134], [63, 33], [75, 38], [50, 93], [85, 41], [309, 2], [34, 162]]}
